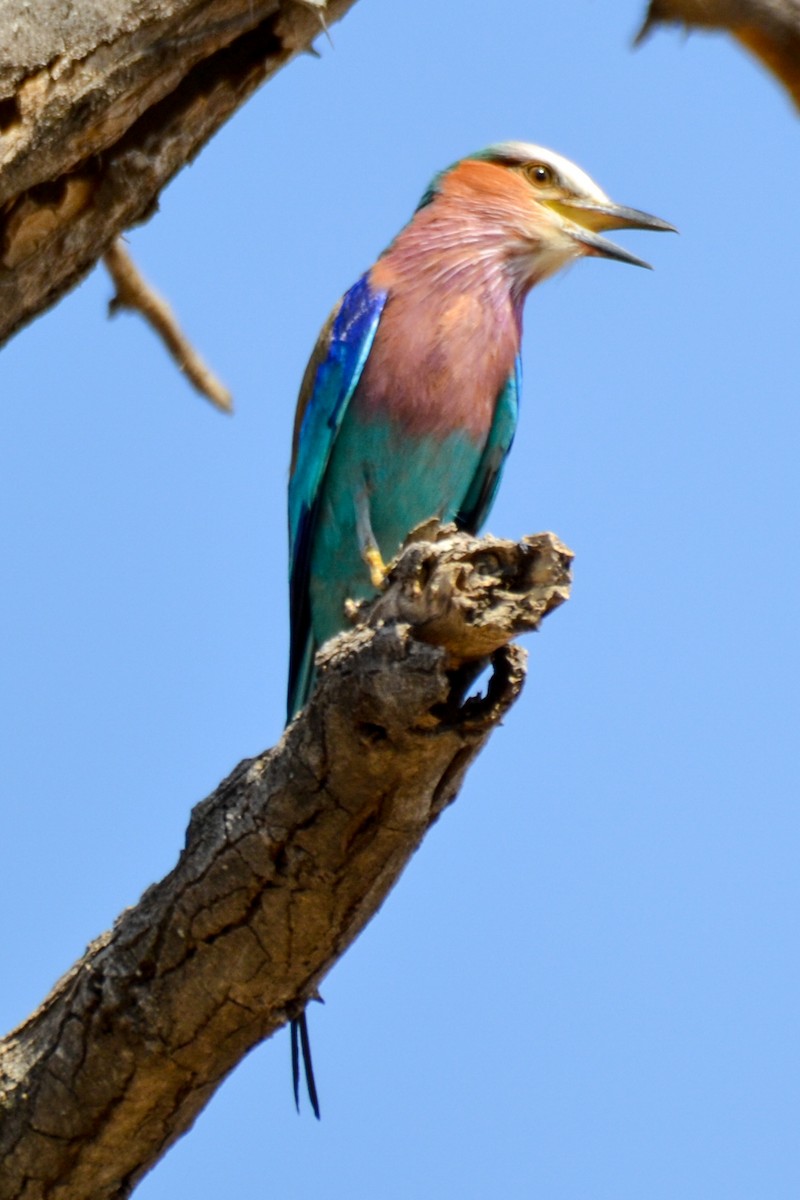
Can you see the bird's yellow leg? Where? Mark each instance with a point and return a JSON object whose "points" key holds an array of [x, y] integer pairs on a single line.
{"points": [[377, 567], [366, 541]]}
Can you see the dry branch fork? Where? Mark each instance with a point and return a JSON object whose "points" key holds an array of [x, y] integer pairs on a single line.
{"points": [[101, 104]]}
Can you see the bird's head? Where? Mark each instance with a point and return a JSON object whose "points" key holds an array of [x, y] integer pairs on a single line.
{"points": [[556, 211]]}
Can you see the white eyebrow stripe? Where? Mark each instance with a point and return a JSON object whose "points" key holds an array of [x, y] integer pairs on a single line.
{"points": [[570, 175]]}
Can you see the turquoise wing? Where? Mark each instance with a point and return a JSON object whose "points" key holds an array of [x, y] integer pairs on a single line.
{"points": [[483, 489], [330, 380]]}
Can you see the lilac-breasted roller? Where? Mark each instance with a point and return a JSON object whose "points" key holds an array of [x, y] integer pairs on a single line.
{"points": [[409, 403]]}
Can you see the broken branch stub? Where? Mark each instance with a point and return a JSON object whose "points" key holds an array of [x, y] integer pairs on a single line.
{"points": [[283, 866], [472, 595]]}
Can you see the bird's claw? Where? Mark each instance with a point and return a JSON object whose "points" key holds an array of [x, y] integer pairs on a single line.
{"points": [[377, 567]]}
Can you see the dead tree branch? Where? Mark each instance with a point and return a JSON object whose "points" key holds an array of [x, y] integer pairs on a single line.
{"points": [[283, 866], [101, 104], [769, 29], [135, 293]]}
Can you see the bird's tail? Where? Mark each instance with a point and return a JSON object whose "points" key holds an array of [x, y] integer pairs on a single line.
{"points": [[301, 1042], [301, 680]]}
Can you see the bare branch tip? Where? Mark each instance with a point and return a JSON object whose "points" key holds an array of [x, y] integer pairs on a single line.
{"points": [[135, 293]]}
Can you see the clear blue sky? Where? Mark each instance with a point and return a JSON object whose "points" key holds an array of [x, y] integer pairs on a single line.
{"points": [[586, 985]]}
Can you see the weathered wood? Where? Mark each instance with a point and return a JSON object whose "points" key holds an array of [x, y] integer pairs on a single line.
{"points": [[101, 103], [283, 866], [769, 29]]}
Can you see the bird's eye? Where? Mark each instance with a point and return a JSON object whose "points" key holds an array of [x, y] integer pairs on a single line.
{"points": [[541, 174]]}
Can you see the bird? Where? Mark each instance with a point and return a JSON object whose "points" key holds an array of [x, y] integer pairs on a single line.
{"points": [[409, 403]]}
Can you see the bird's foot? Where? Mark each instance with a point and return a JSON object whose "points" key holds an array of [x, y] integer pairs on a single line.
{"points": [[378, 569]]}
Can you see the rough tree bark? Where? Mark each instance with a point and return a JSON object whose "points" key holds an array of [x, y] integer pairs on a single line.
{"points": [[769, 29], [283, 866], [101, 103]]}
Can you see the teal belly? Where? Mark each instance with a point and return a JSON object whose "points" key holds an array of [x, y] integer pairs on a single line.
{"points": [[403, 481]]}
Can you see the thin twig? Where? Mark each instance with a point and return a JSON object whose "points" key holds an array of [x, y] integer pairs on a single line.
{"points": [[134, 292]]}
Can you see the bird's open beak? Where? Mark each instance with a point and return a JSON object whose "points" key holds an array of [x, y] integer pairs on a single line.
{"points": [[588, 217]]}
